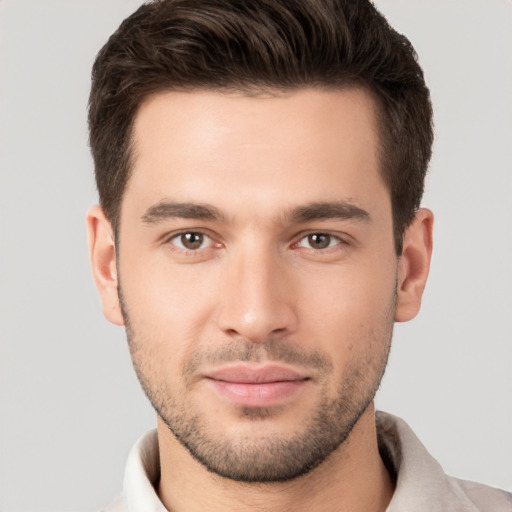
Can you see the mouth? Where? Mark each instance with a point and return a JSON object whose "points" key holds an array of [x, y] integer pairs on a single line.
{"points": [[261, 386]]}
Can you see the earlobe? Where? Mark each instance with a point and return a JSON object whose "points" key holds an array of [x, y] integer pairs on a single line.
{"points": [[414, 265], [102, 252]]}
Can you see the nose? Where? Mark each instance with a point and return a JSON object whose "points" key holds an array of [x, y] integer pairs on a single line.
{"points": [[258, 299]]}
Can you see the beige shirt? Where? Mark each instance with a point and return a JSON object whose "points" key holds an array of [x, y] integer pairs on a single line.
{"points": [[422, 485]]}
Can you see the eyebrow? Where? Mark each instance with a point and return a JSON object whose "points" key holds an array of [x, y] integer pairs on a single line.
{"points": [[169, 209], [341, 210]]}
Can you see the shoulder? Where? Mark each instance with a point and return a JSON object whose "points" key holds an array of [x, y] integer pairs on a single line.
{"points": [[421, 483], [481, 497]]}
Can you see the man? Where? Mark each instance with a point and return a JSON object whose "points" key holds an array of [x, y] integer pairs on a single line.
{"points": [[260, 167]]}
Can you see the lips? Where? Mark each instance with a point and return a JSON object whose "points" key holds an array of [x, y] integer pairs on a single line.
{"points": [[251, 375], [256, 386]]}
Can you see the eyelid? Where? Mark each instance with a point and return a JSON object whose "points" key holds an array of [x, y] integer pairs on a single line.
{"points": [[169, 237], [343, 241], [342, 237], [331, 239]]}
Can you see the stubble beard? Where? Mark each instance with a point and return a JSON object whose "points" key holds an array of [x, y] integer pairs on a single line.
{"points": [[266, 459]]}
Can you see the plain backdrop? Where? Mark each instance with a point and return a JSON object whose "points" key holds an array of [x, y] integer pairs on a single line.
{"points": [[70, 405]]}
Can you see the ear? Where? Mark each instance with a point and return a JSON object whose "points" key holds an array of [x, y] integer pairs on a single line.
{"points": [[413, 265], [102, 252]]}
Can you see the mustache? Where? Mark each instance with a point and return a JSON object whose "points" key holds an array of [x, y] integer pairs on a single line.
{"points": [[245, 351]]}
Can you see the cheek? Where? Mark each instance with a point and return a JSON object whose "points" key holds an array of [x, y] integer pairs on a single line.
{"points": [[349, 308], [168, 306]]}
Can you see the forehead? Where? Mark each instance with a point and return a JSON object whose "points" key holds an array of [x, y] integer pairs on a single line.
{"points": [[300, 146], [318, 115]]}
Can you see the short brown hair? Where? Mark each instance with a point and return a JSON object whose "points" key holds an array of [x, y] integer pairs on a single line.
{"points": [[262, 45]]}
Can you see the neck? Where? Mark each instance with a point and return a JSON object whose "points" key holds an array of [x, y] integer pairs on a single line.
{"points": [[352, 478]]}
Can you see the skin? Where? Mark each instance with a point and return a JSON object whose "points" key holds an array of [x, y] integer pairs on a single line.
{"points": [[258, 287]]}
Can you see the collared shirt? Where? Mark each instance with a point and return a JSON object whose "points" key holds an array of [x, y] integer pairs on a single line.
{"points": [[421, 484]]}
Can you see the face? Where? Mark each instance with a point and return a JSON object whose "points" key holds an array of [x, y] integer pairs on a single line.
{"points": [[257, 273]]}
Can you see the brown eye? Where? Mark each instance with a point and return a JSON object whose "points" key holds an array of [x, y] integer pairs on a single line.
{"points": [[319, 240], [190, 241]]}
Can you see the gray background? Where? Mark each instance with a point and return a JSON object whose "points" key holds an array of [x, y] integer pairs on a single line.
{"points": [[69, 402]]}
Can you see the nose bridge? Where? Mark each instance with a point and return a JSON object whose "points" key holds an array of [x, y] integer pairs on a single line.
{"points": [[257, 302]]}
